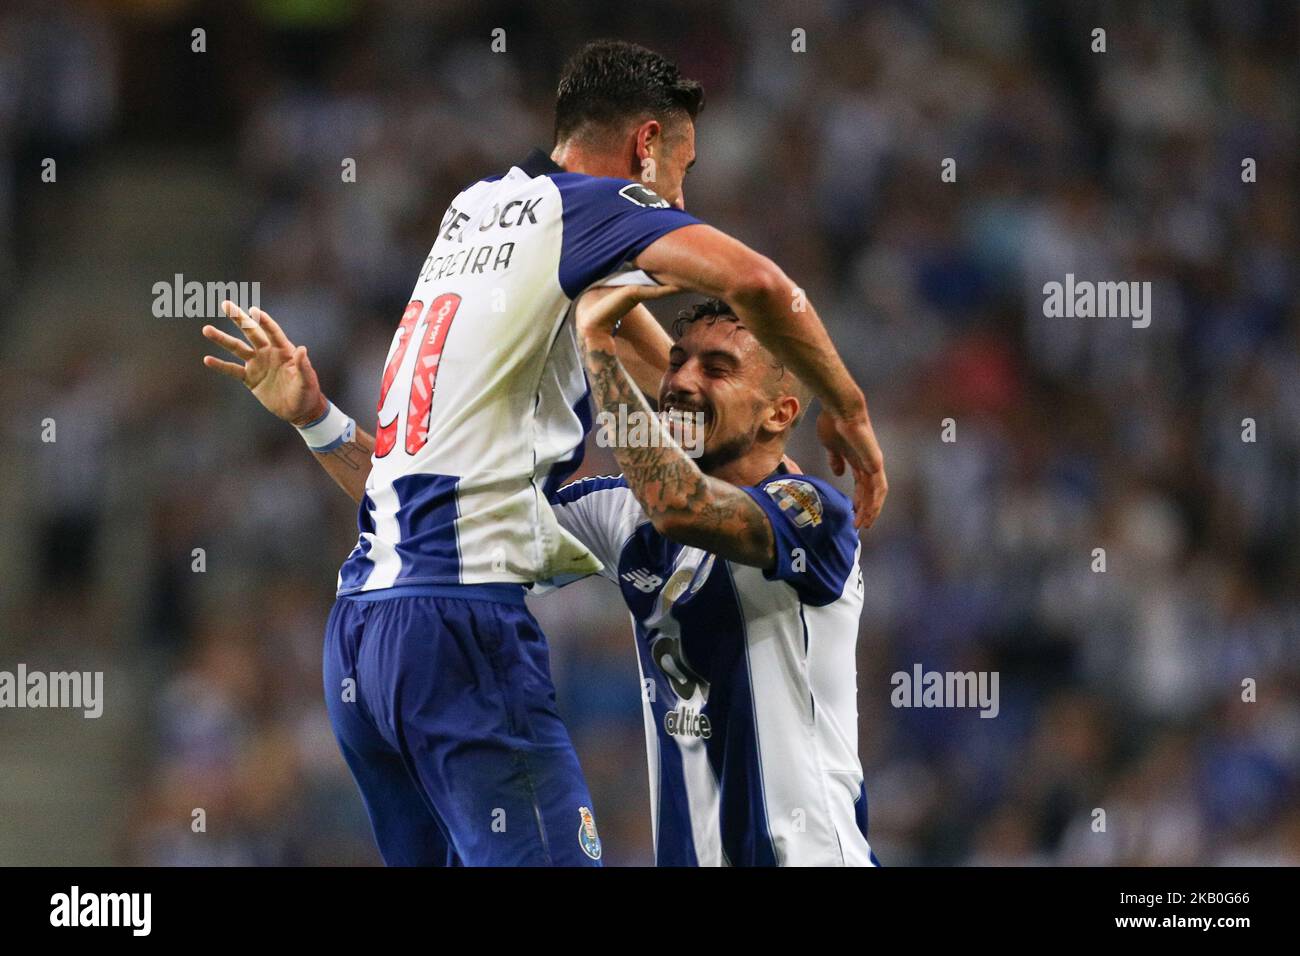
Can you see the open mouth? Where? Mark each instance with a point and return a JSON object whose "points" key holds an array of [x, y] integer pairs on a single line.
{"points": [[678, 410], [687, 425]]}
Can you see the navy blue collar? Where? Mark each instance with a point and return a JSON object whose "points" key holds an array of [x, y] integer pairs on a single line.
{"points": [[539, 163]]}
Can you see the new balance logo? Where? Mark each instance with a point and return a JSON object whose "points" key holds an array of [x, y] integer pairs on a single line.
{"points": [[643, 580]]}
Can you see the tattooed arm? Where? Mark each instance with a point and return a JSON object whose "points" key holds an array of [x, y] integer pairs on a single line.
{"points": [[349, 464], [643, 348], [776, 311], [682, 502], [280, 376]]}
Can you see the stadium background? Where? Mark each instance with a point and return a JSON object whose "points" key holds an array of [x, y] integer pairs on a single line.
{"points": [[1118, 690]]}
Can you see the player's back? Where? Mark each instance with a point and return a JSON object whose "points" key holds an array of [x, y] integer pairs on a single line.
{"points": [[483, 404]]}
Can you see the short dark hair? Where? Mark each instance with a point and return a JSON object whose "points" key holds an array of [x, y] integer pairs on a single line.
{"points": [[711, 311], [609, 81]]}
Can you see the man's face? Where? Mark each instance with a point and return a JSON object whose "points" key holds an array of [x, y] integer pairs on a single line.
{"points": [[675, 155], [718, 369]]}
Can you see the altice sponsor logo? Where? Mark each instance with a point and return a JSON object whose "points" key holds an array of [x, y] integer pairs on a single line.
{"points": [[180, 299], [922, 688], [74, 908], [688, 722], [23, 688], [1084, 299]]}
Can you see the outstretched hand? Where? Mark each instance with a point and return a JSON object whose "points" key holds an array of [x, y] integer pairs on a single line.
{"points": [[277, 372]]}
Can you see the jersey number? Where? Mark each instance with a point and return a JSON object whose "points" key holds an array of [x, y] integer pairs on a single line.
{"points": [[430, 326]]}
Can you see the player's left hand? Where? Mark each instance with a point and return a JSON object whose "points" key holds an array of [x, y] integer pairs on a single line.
{"points": [[852, 442], [599, 309]]}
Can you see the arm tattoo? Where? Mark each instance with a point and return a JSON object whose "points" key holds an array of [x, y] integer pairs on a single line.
{"points": [[701, 511], [350, 454], [349, 464]]}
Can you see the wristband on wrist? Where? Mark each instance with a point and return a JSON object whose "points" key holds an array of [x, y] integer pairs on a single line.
{"points": [[332, 429]]}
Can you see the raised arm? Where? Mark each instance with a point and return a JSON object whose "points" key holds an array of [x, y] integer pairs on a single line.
{"points": [[643, 348], [682, 502], [700, 257], [280, 376]]}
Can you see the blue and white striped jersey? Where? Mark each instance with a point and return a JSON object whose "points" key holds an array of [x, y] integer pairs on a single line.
{"points": [[484, 403], [749, 677]]}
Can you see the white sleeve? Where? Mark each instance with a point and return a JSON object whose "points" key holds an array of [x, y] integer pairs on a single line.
{"points": [[602, 513]]}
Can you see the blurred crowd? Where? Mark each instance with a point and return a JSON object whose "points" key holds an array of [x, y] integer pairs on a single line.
{"points": [[1175, 449]]}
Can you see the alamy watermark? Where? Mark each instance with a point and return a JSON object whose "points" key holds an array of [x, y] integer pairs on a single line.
{"points": [[643, 429], [72, 690], [180, 299], [74, 908], [922, 688], [1085, 299]]}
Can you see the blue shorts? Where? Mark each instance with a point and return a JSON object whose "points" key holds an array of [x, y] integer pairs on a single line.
{"points": [[443, 706]]}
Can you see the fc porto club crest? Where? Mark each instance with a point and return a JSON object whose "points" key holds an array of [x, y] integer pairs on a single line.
{"points": [[588, 838]]}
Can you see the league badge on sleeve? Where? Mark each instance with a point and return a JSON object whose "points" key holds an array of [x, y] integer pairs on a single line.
{"points": [[798, 498], [588, 838], [643, 196]]}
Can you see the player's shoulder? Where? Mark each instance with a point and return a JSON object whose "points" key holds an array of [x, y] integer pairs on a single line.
{"points": [[808, 501], [579, 188], [600, 510]]}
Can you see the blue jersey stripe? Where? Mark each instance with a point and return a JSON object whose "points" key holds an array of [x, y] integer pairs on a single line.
{"points": [[746, 837], [429, 549], [674, 841], [429, 546], [860, 816]]}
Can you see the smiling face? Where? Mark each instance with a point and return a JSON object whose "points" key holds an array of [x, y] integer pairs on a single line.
{"points": [[749, 402]]}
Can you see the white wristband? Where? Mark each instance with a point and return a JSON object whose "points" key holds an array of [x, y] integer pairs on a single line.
{"points": [[329, 431]]}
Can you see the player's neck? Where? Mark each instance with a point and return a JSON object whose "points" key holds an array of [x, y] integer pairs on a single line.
{"points": [[748, 470], [573, 158]]}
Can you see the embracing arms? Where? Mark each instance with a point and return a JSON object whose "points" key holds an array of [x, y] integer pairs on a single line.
{"points": [[682, 502], [701, 258]]}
